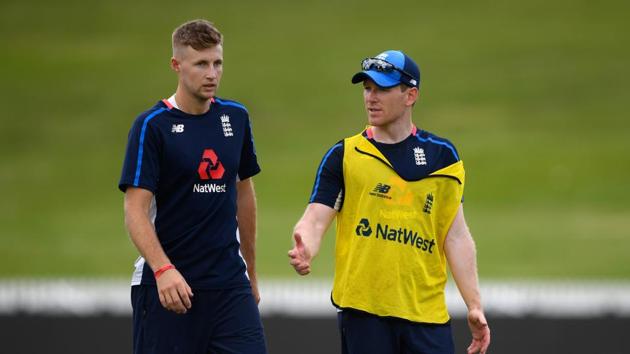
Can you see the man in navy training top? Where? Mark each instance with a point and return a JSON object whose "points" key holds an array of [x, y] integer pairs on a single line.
{"points": [[190, 210]]}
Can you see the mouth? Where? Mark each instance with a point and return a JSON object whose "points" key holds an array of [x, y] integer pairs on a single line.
{"points": [[374, 110]]}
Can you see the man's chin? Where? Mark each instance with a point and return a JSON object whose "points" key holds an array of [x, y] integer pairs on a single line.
{"points": [[374, 120], [206, 95]]}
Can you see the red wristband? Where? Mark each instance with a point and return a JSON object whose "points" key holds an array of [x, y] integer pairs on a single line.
{"points": [[162, 270]]}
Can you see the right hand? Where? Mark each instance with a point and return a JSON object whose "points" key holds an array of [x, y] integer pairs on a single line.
{"points": [[175, 294], [300, 256]]}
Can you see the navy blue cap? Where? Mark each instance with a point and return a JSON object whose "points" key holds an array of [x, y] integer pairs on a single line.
{"points": [[392, 78]]}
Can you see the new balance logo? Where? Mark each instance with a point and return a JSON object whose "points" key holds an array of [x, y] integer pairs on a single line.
{"points": [[418, 154], [428, 204], [177, 128], [382, 188], [363, 229], [227, 127], [381, 191]]}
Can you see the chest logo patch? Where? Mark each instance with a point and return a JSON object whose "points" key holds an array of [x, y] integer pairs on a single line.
{"points": [[419, 156], [381, 191], [177, 128], [363, 229], [227, 127], [210, 166], [428, 203]]}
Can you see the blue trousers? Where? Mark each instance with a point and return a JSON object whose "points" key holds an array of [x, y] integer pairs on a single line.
{"points": [[364, 333], [219, 322]]}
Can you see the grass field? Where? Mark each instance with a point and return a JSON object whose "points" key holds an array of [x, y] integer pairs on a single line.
{"points": [[534, 94]]}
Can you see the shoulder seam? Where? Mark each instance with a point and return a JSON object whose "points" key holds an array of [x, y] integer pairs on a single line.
{"points": [[145, 123], [231, 103], [439, 141], [319, 170], [154, 112]]}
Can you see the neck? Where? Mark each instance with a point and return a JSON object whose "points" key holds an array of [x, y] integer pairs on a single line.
{"points": [[190, 104], [394, 132]]}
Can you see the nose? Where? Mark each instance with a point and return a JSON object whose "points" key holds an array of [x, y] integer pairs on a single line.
{"points": [[370, 95], [211, 73]]}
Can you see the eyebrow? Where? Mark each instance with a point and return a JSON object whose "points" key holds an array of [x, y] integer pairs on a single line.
{"points": [[208, 61]]}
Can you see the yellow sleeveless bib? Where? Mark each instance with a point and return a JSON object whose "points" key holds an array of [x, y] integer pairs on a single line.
{"points": [[390, 257]]}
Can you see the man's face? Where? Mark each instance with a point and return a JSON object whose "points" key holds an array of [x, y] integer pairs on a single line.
{"points": [[385, 105], [199, 70]]}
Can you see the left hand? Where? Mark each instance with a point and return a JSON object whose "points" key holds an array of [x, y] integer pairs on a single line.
{"points": [[480, 332]]}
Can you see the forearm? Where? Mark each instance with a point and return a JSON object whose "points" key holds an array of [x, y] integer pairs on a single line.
{"points": [[141, 230], [313, 225], [174, 293], [247, 232], [246, 216], [145, 239], [462, 259], [311, 236]]}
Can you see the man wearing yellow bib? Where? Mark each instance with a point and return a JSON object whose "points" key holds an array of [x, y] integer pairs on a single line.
{"points": [[397, 192]]}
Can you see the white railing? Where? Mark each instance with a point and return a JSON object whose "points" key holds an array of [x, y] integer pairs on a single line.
{"points": [[311, 298]]}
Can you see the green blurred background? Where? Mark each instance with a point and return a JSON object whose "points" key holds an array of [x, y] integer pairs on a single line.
{"points": [[532, 93]]}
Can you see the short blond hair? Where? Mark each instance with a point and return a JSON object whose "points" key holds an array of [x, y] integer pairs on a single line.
{"points": [[199, 34]]}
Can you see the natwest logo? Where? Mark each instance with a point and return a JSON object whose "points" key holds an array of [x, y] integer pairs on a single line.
{"points": [[209, 188], [390, 234], [210, 166], [364, 229]]}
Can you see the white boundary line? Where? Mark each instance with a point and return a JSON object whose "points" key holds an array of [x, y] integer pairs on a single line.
{"points": [[311, 298]]}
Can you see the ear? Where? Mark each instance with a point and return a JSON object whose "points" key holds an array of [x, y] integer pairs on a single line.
{"points": [[412, 95], [175, 64]]}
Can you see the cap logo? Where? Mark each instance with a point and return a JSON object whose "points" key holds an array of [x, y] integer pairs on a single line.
{"points": [[382, 56]]}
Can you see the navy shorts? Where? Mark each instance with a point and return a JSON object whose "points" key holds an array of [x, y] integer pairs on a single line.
{"points": [[364, 333], [219, 321]]}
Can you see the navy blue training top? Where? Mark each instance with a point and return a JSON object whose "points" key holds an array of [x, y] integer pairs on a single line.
{"points": [[191, 163], [414, 158]]}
